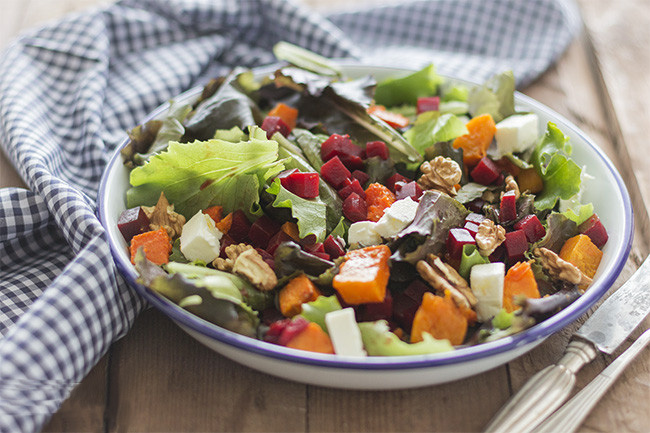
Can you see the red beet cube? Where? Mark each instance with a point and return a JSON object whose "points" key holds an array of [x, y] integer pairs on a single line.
{"points": [[361, 176], [391, 181], [320, 255], [376, 148], [411, 189], [314, 248], [350, 186], [225, 241], [273, 124], [471, 227], [476, 205], [303, 185], [240, 226], [456, 239], [508, 207], [595, 230], [352, 162], [376, 310], [485, 172], [132, 222], [334, 172], [262, 231], [533, 228], [276, 240], [291, 329], [428, 103], [475, 218], [498, 255], [334, 246], [406, 304], [339, 145], [275, 330], [354, 208], [268, 258], [516, 245]]}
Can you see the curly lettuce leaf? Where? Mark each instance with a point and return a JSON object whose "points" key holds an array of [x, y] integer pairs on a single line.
{"points": [[310, 213], [407, 90], [496, 97], [379, 341], [315, 311], [559, 229], [198, 174], [432, 127], [561, 176]]}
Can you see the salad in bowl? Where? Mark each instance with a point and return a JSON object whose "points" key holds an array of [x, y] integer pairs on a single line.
{"points": [[360, 218]]}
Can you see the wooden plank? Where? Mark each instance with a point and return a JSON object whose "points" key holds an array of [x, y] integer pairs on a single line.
{"points": [[163, 380]]}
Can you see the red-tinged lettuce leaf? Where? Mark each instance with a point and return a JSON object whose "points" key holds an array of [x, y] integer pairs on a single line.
{"points": [[202, 173], [559, 229]]}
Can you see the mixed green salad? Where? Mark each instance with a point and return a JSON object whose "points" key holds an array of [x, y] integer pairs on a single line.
{"points": [[359, 218]]}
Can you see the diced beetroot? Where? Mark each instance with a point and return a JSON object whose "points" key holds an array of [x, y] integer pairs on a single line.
{"points": [[411, 189], [273, 124], [476, 205], [354, 208], [361, 176], [471, 227], [268, 258], [376, 310], [416, 289], [595, 230], [334, 172], [533, 228], [314, 248], [276, 240], [269, 316], [498, 255], [516, 245], [307, 241], [320, 255], [339, 145], [303, 185], [275, 330], [391, 181], [428, 103], [240, 226], [508, 207], [376, 148], [334, 246], [475, 218], [224, 242], [352, 162], [132, 222], [485, 172], [406, 304], [456, 239], [293, 328], [350, 186], [262, 231]]}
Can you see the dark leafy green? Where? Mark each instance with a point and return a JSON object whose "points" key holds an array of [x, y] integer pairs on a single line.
{"points": [[290, 258], [558, 230]]}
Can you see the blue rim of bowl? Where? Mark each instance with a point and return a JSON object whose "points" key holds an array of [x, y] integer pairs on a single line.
{"points": [[461, 355]]}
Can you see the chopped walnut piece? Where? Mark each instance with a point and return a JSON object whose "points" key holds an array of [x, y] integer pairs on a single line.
{"points": [[511, 185], [561, 269], [163, 215], [489, 237], [442, 276], [441, 174], [232, 252], [250, 265]]}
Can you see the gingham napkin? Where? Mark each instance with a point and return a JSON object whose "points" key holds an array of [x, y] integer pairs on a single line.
{"points": [[70, 90]]}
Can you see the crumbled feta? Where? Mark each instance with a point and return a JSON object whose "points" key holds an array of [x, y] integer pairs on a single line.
{"points": [[486, 281], [363, 233], [517, 133], [200, 238], [344, 332], [399, 215]]}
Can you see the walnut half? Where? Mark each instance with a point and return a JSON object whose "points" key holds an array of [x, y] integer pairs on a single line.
{"points": [[163, 215], [489, 237], [441, 174], [442, 276], [561, 269], [245, 261]]}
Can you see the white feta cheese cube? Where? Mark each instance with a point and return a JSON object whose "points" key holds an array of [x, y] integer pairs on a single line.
{"points": [[399, 215], [486, 281], [364, 233], [200, 238], [517, 133], [344, 332]]}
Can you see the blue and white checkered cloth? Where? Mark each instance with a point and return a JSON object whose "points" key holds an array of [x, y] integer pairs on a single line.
{"points": [[70, 90]]}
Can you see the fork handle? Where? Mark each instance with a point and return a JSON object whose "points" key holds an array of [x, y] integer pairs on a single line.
{"points": [[570, 416], [544, 392]]}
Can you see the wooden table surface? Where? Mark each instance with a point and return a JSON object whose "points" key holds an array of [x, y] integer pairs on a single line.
{"points": [[159, 379]]}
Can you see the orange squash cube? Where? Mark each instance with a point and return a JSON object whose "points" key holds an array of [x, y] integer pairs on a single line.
{"points": [[582, 253], [313, 339], [364, 275]]}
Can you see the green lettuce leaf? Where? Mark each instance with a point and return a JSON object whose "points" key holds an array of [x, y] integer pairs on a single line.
{"points": [[310, 213], [470, 191], [305, 59], [407, 90], [453, 92], [379, 341], [470, 257], [561, 176], [432, 127], [199, 174], [310, 145], [315, 311], [496, 97]]}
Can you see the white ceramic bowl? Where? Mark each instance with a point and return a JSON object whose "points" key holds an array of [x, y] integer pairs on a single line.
{"points": [[606, 191]]}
